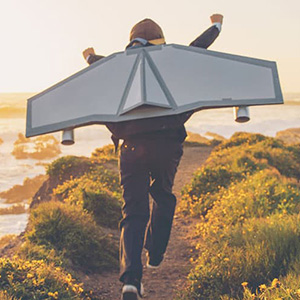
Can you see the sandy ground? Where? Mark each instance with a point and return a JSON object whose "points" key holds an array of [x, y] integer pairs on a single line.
{"points": [[171, 276]]}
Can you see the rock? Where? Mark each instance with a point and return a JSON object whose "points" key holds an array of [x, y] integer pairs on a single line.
{"points": [[289, 136]]}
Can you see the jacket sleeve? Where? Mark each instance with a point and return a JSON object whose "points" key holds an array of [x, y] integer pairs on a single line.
{"points": [[206, 38], [93, 58]]}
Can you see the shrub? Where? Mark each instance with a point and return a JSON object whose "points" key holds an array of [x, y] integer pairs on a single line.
{"points": [[240, 138], [97, 179], [248, 202], [255, 252], [4, 295], [31, 251], [197, 196], [6, 239], [98, 192], [63, 167], [285, 288], [260, 195], [104, 207], [73, 234], [105, 154], [234, 160], [27, 280]]}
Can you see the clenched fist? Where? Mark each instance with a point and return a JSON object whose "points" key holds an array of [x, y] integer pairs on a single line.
{"points": [[216, 18], [88, 52]]}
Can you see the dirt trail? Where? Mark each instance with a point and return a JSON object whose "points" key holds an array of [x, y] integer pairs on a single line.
{"points": [[171, 276]]}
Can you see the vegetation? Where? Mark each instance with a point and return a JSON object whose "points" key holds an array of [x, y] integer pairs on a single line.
{"points": [[234, 160], [105, 154], [36, 280], [247, 200], [93, 192], [72, 232], [6, 239], [285, 288], [5, 296], [63, 167], [68, 234]]}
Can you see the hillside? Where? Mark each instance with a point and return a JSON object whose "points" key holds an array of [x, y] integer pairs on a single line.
{"points": [[235, 233], [68, 173]]}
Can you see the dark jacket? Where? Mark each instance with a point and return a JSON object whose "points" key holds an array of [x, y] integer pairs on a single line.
{"points": [[167, 127]]}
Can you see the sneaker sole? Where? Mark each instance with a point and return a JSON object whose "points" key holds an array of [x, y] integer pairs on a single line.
{"points": [[130, 296], [152, 267]]}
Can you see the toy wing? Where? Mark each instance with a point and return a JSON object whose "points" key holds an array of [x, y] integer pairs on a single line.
{"points": [[150, 82]]}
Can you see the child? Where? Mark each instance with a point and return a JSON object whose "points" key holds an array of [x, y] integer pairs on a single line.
{"points": [[150, 155]]}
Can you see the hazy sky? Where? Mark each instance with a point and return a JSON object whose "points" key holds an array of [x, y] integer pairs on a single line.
{"points": [[42, 40]]}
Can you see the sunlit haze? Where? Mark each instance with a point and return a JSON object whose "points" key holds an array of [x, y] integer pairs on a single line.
{"points": [[42, 41]]}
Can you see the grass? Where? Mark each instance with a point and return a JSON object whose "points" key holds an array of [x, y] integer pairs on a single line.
{"points": [[247, 202], [73, 233], [26, 280], [67, 235]]}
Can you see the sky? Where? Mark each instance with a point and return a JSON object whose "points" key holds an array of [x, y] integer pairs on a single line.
{"points": [[42, 40]]}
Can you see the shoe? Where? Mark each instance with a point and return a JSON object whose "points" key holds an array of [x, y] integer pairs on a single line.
{"points": [[153, 262], [131, 292]]}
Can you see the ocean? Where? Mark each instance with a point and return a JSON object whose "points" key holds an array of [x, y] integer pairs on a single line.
{"points": [[267, 120]]}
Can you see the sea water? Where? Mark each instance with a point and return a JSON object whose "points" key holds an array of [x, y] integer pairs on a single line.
{"points": [[264, 119]]}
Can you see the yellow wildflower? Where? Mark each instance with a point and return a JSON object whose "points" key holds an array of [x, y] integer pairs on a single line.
{"points": [[275, 283], [262, 287], [245, 284], [53, 295]]}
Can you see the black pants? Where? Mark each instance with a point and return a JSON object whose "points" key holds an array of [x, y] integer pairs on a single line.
{"points": [[146, 167]]}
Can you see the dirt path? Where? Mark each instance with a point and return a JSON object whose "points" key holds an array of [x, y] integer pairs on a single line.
{"points": [[171, 276]]}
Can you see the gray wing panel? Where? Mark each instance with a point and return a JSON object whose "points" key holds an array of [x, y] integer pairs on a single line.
{"points": [[195, 76], [96, 90]]}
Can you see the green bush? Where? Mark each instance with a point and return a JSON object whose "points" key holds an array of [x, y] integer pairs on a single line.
{"points": [[240, 138], [97, 179], [98, 192], [260, 195], [105, 208], [255, 252], [28, 280], [285, 288], [31, 251], [64, 167], [197, 197], [234, 160], [73, 234], [247, 199], [4, 295], [105, 154]]}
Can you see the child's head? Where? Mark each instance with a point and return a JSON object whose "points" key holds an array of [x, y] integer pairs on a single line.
{"points": [[148, 30]]}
